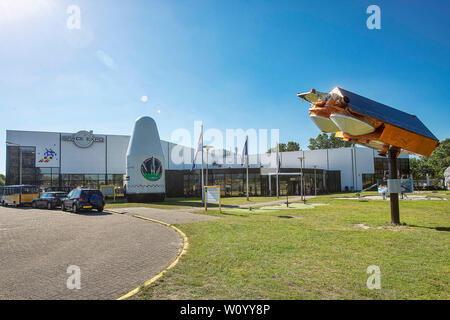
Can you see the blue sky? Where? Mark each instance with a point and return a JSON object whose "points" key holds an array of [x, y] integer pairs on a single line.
{"points": [[232, 64]]}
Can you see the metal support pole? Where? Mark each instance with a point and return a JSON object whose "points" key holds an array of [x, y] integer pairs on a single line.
{"points": [[302, 191], [246, 164], [270, 185], [203, 180], [207, 160], [395, 212], [278, 169], [20, 171], [315, 182], [247, 183], [207, 156], [287, 196], [278, 192]]}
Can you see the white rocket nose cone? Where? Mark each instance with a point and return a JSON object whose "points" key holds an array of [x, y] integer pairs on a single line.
{"points": [[145, 137], [145, 159]]}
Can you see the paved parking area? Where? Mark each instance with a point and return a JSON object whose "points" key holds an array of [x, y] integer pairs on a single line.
{"points": [[115, 253]]}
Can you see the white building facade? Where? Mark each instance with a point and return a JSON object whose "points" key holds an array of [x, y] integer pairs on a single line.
{"points": [[84, 158]]}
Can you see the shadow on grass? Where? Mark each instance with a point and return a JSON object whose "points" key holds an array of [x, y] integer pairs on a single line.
{"points": [[236, 215], [447, 229]]}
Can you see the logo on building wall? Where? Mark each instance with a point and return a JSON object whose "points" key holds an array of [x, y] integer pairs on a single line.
{"points": [[49, 154], [152, 169], [83, 139]]}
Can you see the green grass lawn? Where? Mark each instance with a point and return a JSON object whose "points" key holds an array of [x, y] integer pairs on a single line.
{"points": [[183, 203], [314, 254]]}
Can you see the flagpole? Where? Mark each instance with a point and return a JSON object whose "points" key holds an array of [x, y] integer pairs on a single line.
{"points": [[278, 161], [203, 180], [247, 166]]}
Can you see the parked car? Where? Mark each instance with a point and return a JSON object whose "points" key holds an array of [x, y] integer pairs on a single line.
{"points": [[81, 199], [49, 200]]}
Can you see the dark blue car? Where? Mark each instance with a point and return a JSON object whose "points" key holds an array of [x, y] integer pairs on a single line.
{"points": [[83, 199]]}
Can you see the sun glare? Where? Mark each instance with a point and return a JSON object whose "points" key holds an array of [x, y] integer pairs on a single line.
{"points": [[17, 10]]}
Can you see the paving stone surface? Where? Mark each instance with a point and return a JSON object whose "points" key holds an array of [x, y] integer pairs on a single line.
{"points": [[115, 253]]}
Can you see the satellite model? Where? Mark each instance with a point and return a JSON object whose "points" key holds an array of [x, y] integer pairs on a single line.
{"points": [[145, 176], [357, 119], [360, 120]]}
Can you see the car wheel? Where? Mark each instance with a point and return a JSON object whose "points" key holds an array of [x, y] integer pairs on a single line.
{"points": [[63, 207], [49, 206], [33, 205], [74, 208], [100, 209]]}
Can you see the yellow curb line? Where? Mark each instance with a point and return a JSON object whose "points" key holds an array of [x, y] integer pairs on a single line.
{"points": [[112, 211], [159, 275]]}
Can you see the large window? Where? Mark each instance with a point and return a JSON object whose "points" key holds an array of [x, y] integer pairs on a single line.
{"points": [[368, 179], [192, 186], [47, 177], [93, 181], [382, 167], [13, 167], [254, 184], [219, 180], [237, 188]]}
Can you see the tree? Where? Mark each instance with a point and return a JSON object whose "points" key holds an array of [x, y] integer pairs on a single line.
{"points": [[292, 146], [435, 165], [283, 147], [323, 141], [439, 159], [419, 167], [2, 179]]}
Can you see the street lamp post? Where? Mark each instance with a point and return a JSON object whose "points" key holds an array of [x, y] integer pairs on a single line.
{"points": [[301, 177], [207, 155], [20, 159]]}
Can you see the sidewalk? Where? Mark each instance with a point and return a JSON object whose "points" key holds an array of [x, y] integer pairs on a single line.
{"points": [[263, 204]]}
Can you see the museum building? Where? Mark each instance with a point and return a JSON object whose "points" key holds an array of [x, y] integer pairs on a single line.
{"points": [[61, 159]]}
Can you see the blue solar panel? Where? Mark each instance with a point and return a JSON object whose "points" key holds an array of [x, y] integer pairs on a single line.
{"points": [[386, 114]]}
